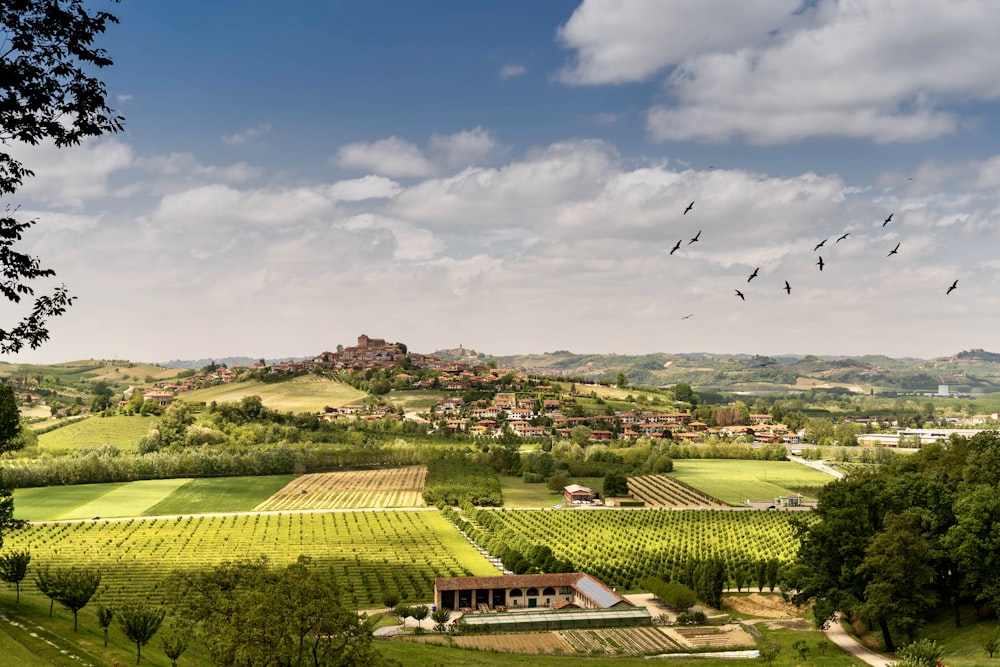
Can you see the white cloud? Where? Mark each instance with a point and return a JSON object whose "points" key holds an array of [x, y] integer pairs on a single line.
{"points": [[251, 133], [619, 41], [392, 157], [69, 177], [181, 167], [366, 187], [774, 72], [462, 148], [511, 71]]}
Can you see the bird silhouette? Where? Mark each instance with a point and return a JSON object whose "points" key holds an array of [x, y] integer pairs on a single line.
{"points": [[846, 234], [695, 237], [887, 220], [820, 245], [690, 206], [687, 316], [952, 288], [740, 294], [821, 263], [893, 251], [675, 248], [754, 274], [788, 288]]}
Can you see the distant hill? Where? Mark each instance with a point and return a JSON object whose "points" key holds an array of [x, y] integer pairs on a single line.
{"points": [[197, 364]]}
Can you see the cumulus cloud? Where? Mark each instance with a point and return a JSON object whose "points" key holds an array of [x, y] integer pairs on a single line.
{"points": [[620, 41], [776, 72], [511, 71], [366, 187], [462, 148], [393, 157], [251, 133], [72, 176]]}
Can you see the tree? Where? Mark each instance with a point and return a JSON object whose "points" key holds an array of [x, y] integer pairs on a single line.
{"points": [[295, 612], [991, 645], [174, 645], [390, 599], [14, 568], [105, 615], [47, 92], [74, 588], [621, 380], [768, 652], [46, 584], [682, 392], [140, 622], [10, 419], [615, 485], [419, 613], [440, 617]]}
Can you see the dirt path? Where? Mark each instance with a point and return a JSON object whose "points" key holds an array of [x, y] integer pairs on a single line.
{"points": [[836, 633]]}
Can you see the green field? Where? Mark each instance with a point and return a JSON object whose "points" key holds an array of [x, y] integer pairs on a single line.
{"points": [[121, 431], [145, 498], [518, 494], [370, 551], [733, 481], [308, 393]]}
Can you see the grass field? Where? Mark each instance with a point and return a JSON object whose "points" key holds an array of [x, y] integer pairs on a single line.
{"points": [[416, 400], [121, 431], [145, 498], [308, 393], [733, 481], [369, 551], [518, 494]]}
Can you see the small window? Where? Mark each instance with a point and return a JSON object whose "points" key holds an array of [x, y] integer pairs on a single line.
{"points": [[549, 591], [516, 593], [565, 590], [532, 592]]}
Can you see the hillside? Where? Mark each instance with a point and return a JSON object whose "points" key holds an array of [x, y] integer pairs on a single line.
{"points": [[307, 393], [975, 371]]}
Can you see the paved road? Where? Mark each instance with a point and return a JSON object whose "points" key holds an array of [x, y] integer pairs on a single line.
{"points": [[818, 465], [835, 632]]}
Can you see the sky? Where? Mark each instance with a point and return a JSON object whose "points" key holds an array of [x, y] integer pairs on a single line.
{"points": [[513, 176]]}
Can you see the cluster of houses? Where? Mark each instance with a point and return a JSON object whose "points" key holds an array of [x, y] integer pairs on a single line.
{"points": [[519, 414]]}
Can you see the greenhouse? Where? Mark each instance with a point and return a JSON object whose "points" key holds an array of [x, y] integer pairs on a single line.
{"points": [[555, 620]]}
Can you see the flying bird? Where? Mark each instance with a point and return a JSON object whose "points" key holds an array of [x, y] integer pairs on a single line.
{"points": [[766, 363], [820, 245], [695, 237], [675, 248], [821, 263], [952, 288], [893, 251], [788, 288], [690, 206], [846, 234], [687, 316], [887, 220], [740, 294], [754, 274]]}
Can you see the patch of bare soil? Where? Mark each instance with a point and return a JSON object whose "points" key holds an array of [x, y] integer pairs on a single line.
{"points": [[790, 624], [761, 606]]}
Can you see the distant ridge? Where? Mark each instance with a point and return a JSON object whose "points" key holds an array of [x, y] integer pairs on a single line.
{"points": [[228, 361]]}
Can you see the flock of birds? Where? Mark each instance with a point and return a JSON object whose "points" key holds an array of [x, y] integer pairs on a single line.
{"points": [[820, 262]]}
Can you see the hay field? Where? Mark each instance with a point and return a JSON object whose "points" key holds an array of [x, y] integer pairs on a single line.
{"points": [[308, 393], [351, 489]]}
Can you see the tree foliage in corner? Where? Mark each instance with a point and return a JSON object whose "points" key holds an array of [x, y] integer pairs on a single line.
{"points": [[46, 94], [249, 614], [893, 547]]}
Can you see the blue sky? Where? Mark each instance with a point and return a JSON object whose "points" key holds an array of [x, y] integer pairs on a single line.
{"points": [[512, 177]]}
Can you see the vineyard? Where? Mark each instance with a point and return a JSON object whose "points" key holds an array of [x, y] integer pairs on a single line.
{"points": [[352, 489], [623, 547], [370, 552], [664, 491]]}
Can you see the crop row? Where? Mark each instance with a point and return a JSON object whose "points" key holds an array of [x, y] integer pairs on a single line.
{"points": [[370, 552], [623, 547], [353, 489], [664, 491]]}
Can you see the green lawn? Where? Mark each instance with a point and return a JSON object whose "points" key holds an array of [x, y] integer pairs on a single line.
{"points": [[733, 481], [120, 430], [220, 494], [308, 393], [155, 497], [517, 494]]}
